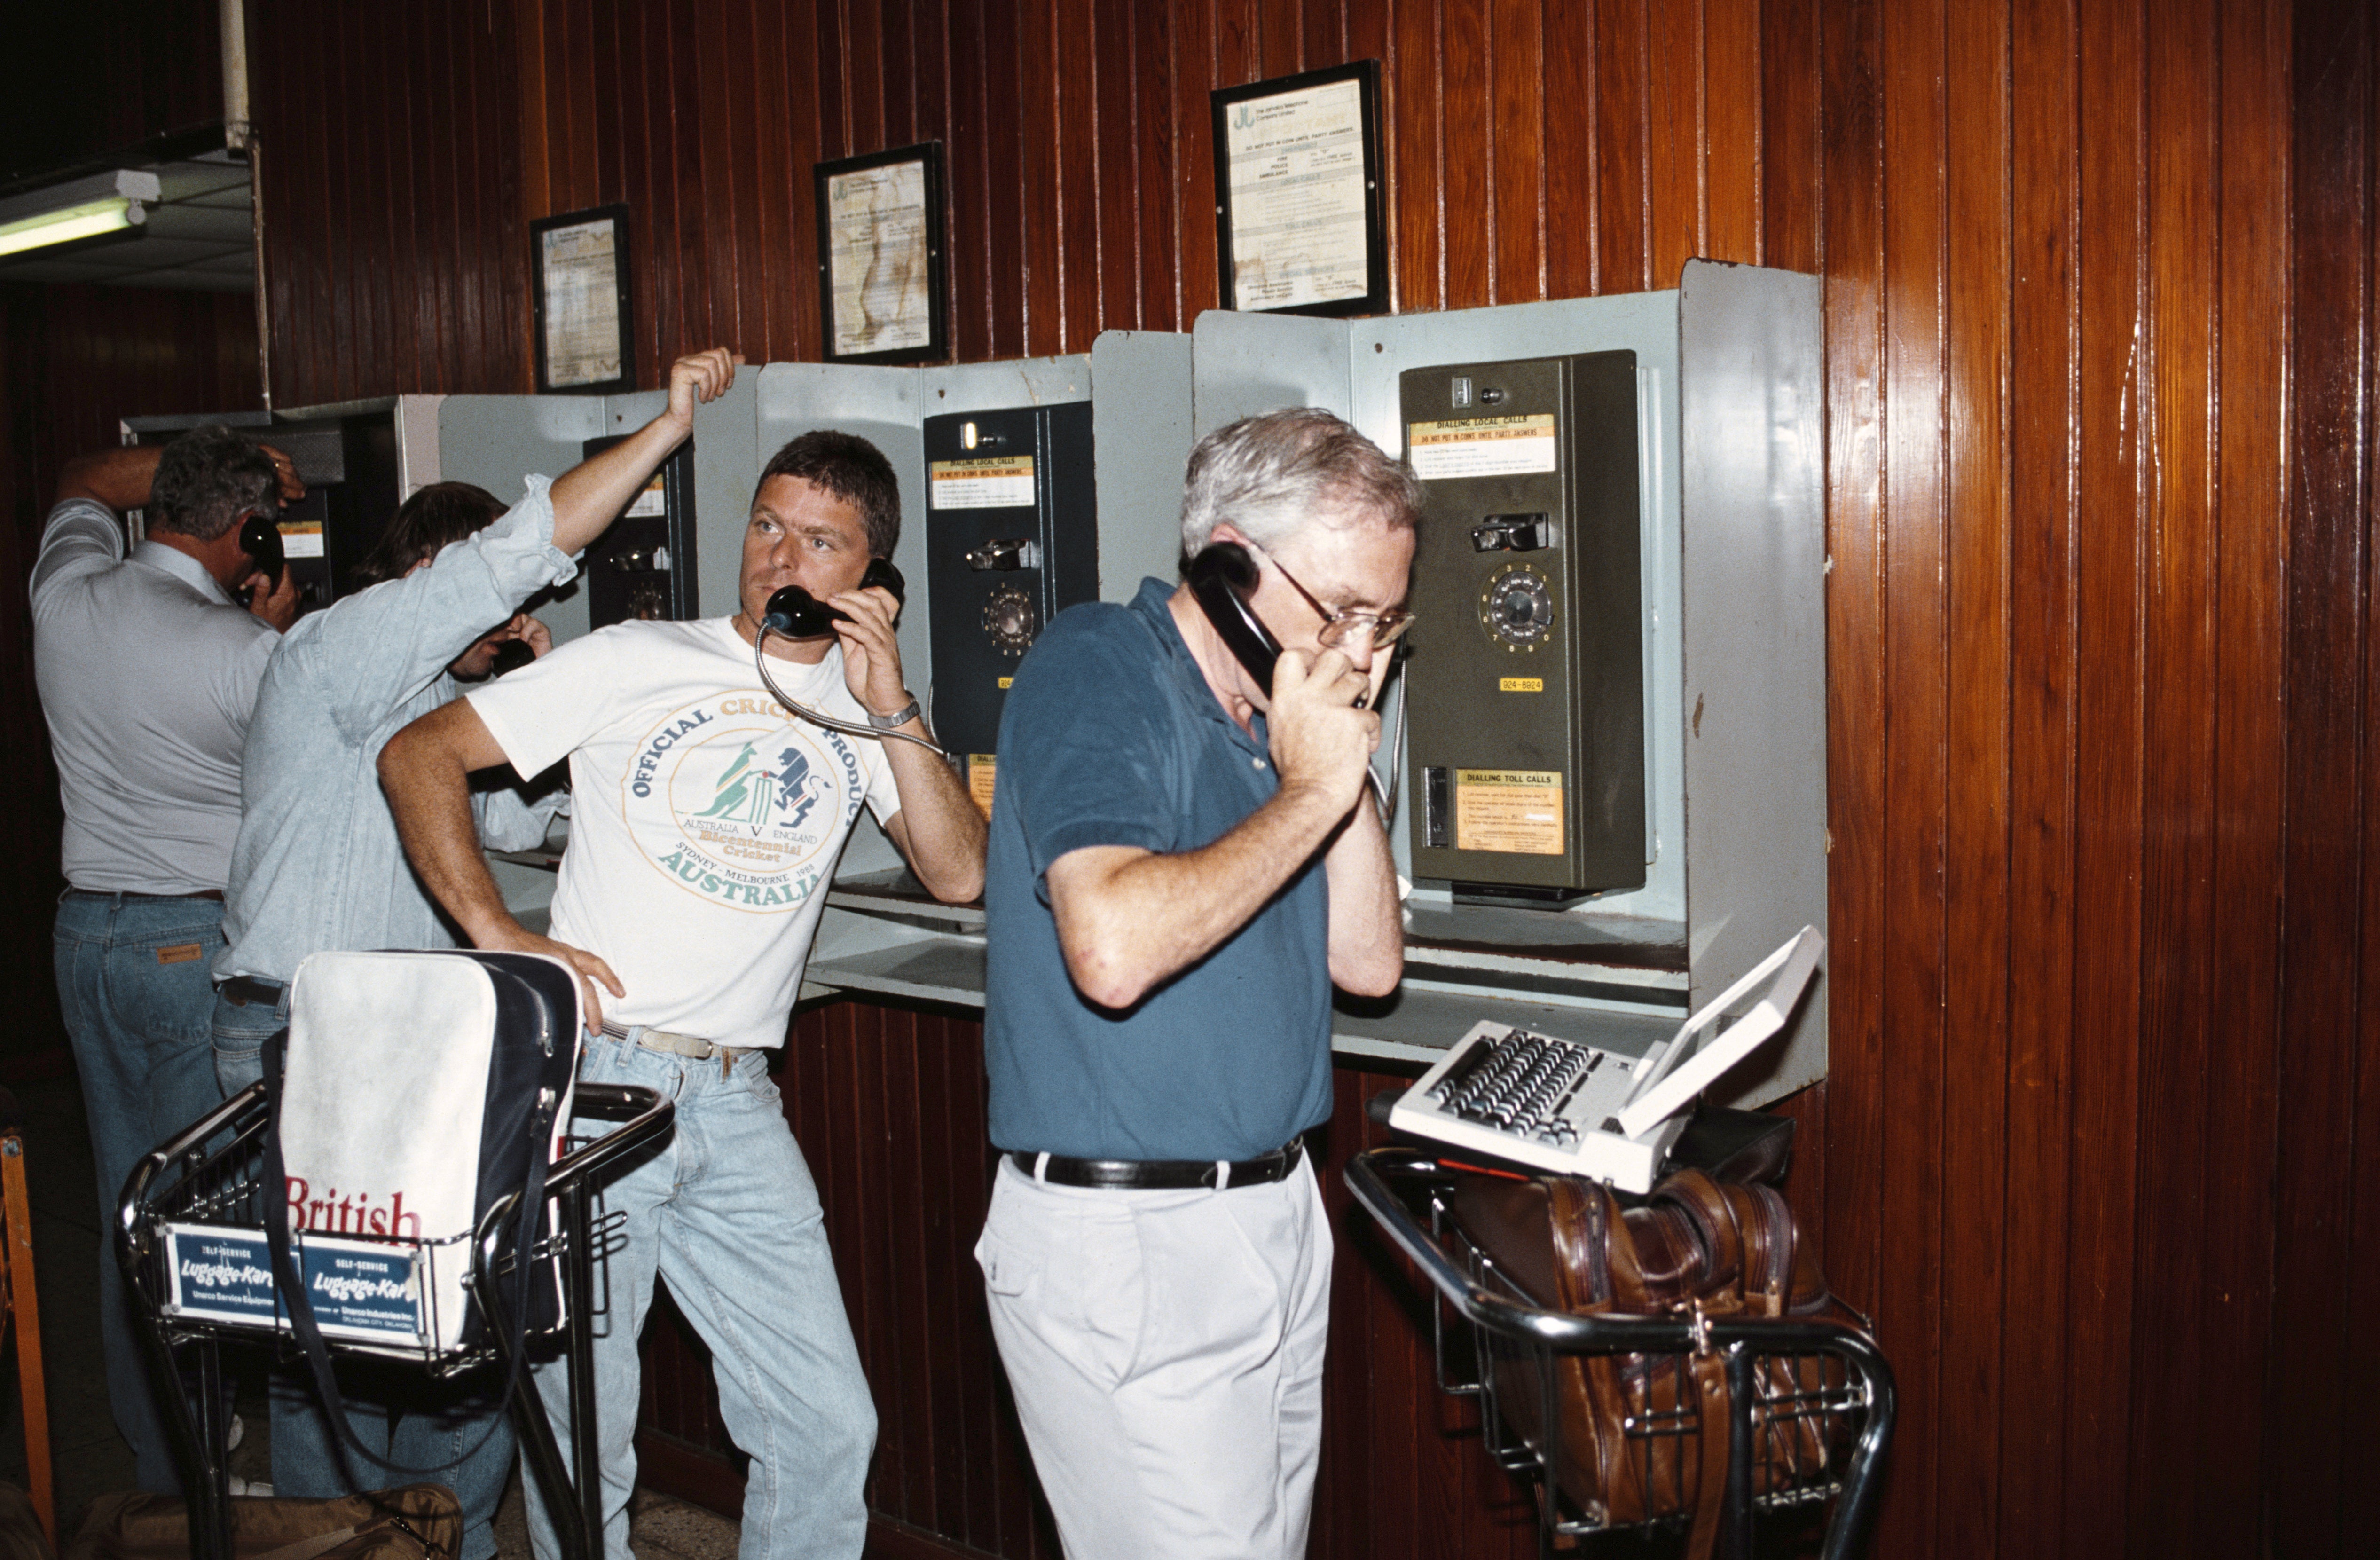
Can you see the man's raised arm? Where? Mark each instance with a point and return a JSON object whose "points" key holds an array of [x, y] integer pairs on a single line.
{"points": [[425, 770], [589, 496]]}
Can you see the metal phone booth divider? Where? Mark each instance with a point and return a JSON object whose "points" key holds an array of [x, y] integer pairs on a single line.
{"points": [[185, 1190], [1792, 1383]]}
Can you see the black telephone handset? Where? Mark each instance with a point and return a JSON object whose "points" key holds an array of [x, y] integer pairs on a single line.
{"points": [[797, 613], [261, 540], [1222, 577]]}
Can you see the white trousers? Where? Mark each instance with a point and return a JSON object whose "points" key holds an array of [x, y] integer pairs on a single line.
{"points": [[1165, 1349]]}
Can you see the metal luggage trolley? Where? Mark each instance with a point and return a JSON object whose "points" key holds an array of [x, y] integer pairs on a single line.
{"points": [[206, 1204], [1833, 1389]]}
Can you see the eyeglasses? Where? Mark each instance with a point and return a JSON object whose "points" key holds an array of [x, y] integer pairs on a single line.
{"points": [[1338, 623]]}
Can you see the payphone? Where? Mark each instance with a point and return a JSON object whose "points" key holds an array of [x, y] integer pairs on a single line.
{"points": [[1011, 538], [643, 565], [1526, 681]]}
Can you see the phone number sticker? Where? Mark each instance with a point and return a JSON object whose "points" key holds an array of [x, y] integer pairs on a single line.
{"points": [[1518, 812], [1481, 446]]}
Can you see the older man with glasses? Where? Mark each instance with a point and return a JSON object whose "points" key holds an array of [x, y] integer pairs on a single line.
{"points": [[1184, 861]]}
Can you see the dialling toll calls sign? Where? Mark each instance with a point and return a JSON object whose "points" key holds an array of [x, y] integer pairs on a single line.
{"points": [[362, 1290]]}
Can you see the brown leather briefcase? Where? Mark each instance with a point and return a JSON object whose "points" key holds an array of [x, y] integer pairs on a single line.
{"points": [[1629, 1447]]}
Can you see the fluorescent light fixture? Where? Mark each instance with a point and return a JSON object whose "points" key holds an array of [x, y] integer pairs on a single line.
{"points": [[86, 208]]}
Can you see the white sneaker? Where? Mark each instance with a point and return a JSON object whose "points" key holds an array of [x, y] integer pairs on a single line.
{"points": [[250, 1486]]}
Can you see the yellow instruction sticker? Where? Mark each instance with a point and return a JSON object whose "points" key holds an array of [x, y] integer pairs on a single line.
{"points": [[981, 771], [1519, 685], [1003, 483], [301, 539], [1516, 810], [1005, 683], [1481, 446]]}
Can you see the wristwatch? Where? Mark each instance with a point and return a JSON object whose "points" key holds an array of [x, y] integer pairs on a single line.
{"points": [[898, 717]]}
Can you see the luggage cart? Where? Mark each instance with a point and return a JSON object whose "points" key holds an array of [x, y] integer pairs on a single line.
{"points": [[1793, 1383], [210, 1178]]}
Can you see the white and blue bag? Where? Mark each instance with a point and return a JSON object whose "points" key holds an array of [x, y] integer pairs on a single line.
{"points": [[418, 1089]]}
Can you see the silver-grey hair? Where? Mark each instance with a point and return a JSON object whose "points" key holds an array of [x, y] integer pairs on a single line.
{"points": [[1273, 475]]}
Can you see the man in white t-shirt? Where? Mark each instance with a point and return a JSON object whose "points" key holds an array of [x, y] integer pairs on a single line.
{"points": [[706, 827]]}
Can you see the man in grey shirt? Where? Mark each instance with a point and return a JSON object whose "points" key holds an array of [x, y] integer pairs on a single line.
{"points": [[148, 671], [318, 866]]}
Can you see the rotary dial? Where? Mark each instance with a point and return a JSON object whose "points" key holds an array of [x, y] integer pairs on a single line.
{"points": [[1517, 608], [1010, 618]]}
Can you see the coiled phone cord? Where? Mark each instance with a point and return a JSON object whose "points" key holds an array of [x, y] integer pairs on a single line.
{"points": [[816, 717]]}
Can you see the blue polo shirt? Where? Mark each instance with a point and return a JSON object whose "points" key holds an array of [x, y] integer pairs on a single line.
{"points": [[1112, 737]]}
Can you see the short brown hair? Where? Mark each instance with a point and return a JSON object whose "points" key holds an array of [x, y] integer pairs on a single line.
{"points": [[853, 471], [426, 524]]}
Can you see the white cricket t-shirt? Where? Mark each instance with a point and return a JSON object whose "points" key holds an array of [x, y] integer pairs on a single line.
{"points": [[706, 819]]}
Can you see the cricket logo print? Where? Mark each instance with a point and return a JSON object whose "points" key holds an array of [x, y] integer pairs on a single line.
{"points": [[738, 803]]}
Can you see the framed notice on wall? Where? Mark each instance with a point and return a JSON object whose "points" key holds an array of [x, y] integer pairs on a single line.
{"points": [[579, 283], [880, 257], [1298, 193]]}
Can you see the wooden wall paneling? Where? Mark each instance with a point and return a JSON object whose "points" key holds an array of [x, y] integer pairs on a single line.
{"points": [[1041, 176], [1194, 76], [1517, 191], [1117, 110], [970, 202], [904, 82], [867, 72], [1466, 155], [1915, 737], [777, 200], [2243, 1125], [1573, 155], [1623, 213], [1005, 140], [1081, 219], [1156, 189], [2043, 928], [1975, 283], [2181, 564], [2107, 442], [1791, 185], [723, 108], [1852, 152], [1730, 83], [1675, 187], [1412, 124], [2330, 294], [1279, 31], [1322, 34]]}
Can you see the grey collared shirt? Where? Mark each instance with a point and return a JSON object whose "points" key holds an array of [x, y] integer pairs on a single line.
{"points": [[318, 865], [148, 672]]}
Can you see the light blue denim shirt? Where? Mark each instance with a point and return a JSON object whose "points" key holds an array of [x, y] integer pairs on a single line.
{"points": [[317, 864]]}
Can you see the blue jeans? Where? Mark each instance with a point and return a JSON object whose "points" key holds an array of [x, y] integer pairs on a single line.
{"points": [[395, 1412], [134, 987], [725, 1210]]}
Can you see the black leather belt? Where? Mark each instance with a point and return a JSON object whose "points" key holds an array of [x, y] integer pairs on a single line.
{"points": [[1163, 1174], [241, 990]]}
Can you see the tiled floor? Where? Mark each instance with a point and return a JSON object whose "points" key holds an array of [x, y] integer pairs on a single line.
{"points": [[87, 1455]]}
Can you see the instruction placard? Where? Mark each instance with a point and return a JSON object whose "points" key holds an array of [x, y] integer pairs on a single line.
{"points": [[982, 772], [1481, 446], [1516, 810], [301, 539], [1003, 483]]}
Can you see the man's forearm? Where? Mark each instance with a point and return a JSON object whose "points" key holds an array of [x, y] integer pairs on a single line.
{"points": [[118, 478], [945, 832], [589, 496], [1128, 921], [428, 794], [1367, 938]]}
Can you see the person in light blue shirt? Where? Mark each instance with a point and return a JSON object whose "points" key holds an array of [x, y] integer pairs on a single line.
{"points": [[318, 867]]}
